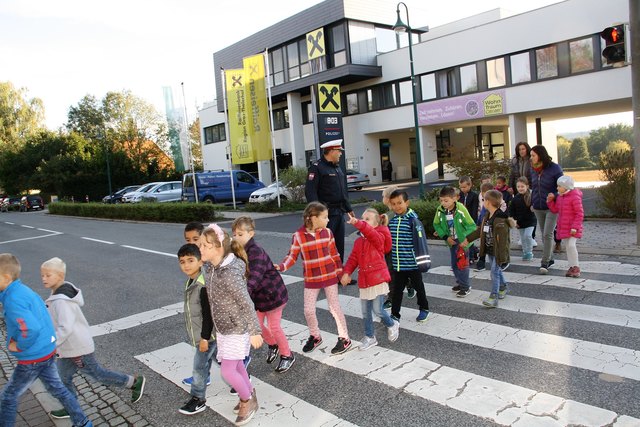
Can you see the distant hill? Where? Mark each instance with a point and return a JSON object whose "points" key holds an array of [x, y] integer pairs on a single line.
{"points": [[571, 135]]}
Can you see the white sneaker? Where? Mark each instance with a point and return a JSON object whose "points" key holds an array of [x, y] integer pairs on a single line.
{"points": [[534, 243], [393, 331], [368, 342]]}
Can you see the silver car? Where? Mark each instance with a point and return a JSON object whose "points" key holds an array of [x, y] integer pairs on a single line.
{"points": [[356, 180], [128, 197], [165, 192]]}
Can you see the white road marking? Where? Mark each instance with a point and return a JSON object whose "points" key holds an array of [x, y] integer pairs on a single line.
{"points": [[29, 238], [581, 354], [10, 223], [49, 231], [603, 267], [277, 408], [98, 240], [590, 313], [589, 285], [137, 319], [150, 251], [26, 226]]}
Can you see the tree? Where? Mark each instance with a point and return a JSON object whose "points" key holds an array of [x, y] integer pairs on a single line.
{"points": [[578, 155], [618, 146], [19, 117], [196, 141], [563, 149], [599, 138]]}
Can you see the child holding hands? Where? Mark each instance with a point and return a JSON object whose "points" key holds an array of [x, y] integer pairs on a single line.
{"points": [[373, 279]]}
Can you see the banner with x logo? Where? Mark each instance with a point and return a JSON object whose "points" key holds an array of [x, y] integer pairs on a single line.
{"points": [[242, 150], [258, 110], [315, 43], [329, 98]]}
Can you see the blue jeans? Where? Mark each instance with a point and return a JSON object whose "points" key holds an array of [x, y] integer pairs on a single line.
{"points": [[370, 306], [88, 364], [201, 369], [526, 239], [497, 278], [462, 276], [23, 376]]}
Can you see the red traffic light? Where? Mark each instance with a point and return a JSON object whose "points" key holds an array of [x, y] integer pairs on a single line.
{"points": [[613, 35], [614, 50]]}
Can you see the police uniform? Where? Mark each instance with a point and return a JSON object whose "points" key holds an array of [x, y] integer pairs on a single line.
{"points": [[326, 183]]}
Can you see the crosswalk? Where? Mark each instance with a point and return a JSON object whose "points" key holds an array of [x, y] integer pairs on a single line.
{"points": [[525, 330]]}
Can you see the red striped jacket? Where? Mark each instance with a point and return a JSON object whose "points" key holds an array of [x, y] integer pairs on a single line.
{"points": [[321, 261]]}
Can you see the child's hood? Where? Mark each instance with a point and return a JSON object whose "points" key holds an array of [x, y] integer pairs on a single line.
{"points": [[67, 292], [575, 193]]}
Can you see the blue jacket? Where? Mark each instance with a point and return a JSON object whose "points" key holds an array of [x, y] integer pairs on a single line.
{"points": [[403, 257], [28, 323], [544, 183]]}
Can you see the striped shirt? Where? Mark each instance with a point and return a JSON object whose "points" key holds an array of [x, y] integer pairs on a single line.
{"points": [[321, 260], [403, 257]]}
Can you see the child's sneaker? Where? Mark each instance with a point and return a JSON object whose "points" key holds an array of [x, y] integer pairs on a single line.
{"points": [[456, 288], [411, 293], [387, 305], [342, 345], [528, 256], [393, 331], [272, 353], [504, 266], [59, 414], [463, 293], [311, 344], [285, 363], [491, 302], [502, 292], [480, 265], [189, 381], [544, 266], [368, 342], [422, 316], [573, 272], [246, 410], [138, 388], [193, 406]]}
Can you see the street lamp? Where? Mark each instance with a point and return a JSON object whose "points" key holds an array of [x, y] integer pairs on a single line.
{"points": [[401, 27], [106, 153]]}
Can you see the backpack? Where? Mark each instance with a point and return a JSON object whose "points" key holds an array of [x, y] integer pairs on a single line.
{"points": [[420, 246]]}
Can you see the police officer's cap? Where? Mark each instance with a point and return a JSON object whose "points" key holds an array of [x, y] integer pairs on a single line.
{"points": [[336, 144]]}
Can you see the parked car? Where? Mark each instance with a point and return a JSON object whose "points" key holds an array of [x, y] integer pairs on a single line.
{"points": [[215, 186], [117, 196], [165, 192], [127, 197], [12, 203], [355, 179], [270, 193], [32, 202]]}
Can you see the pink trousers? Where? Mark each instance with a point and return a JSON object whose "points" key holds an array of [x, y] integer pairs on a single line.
{"points": [[310, 299], [272, 332]]}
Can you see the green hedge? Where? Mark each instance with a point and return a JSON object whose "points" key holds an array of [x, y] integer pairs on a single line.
{"points": [[161, 212], [425, 209]]}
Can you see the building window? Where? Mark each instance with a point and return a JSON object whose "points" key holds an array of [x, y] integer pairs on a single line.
{"points": [[338, 45], [428, 86], [496, 73], [304, 58], [214, 133], [352, 103], [581, 54], [280, 118], [447, 83], [389, 91], [406, 92], [386, 40], [293, 61], [468, 78], [520, 68], [307, 113], [547, 62]]}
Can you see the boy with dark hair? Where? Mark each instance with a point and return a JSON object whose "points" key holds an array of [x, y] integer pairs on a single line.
{"points": [[494, 242], [404, 268], [32, 340], [453, 223], [192, 232], [469, 199]]}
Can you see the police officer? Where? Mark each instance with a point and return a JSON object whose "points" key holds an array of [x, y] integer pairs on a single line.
{"points": [[327, 184]]}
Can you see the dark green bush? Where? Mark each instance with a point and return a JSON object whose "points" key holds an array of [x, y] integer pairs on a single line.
{"points": [[476, 168], [161, 212], [272, 206], [425, 209], [619, 195]]}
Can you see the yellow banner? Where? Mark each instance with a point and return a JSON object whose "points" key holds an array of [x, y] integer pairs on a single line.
{"points": [[242, 151], [258, 111], [315, 43], [329, 98]]}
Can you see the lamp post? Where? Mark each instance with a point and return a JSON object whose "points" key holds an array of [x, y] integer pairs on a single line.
{"points": [[106, 153], [401, 27]]}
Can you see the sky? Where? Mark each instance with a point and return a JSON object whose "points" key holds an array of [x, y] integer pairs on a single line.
{"points": [[62, 50]]}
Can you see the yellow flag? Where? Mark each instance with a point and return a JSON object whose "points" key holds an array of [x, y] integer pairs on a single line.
{"points": [[242, 151], [258, 110]]}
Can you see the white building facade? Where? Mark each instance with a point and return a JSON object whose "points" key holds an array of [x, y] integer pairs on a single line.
{"points": [[484, 83]]}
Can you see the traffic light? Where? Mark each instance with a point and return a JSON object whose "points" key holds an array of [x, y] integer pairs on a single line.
{"points": [[614, 50]]}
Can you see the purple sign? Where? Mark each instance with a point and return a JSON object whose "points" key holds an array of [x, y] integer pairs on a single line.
{"points": [[468, 107]]}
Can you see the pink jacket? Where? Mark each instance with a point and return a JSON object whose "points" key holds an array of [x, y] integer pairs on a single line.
{"points": [[568, 206], [368, 255]]}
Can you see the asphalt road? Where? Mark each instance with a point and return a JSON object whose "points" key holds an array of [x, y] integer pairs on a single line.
{"points": [[126, 268]]}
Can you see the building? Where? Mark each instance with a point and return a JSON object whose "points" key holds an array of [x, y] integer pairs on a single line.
{"points": [[484, 83]]}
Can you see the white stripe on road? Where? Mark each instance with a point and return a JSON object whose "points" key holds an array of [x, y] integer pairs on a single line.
{"points": [[29, 238], [150, 251], [590, 313], [277, 408], [602, 267], [581, 354], [97, 240], [137, 319], [48, 231], [589, 285], [27, 226], [10, 223], [498, 401]]}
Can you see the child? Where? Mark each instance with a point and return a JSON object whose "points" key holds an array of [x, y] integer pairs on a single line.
{"points": [[520, 210], [31, 339], [469, 199], [75, 347], [267, 291], [568, 206], [232, 313], [192, 232], [403, 259], [501, 186], [321, 270], [373, 280], [484, 187], [197, 316], [453, 223], [494, 243]]}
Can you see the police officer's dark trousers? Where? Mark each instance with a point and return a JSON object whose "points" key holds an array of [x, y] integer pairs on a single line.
{"points": [[336, 225]]}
